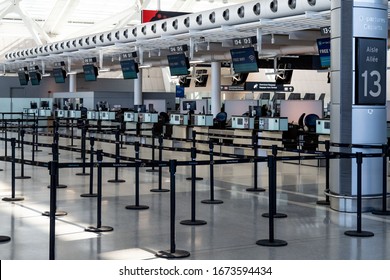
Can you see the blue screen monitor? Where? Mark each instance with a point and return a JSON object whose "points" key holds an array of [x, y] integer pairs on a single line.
{"points": [[90, 72], [23, 78], [178, 64], [59, 75], [129, 69], [35, 78], [244, 60], [323, 45]]}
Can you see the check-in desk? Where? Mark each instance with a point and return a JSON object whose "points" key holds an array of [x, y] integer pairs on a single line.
{"points": [[323, 126], [130, 117], [148, 117], [202, 120], [178, 119], [107, 115], [30, 113], [61, 114], [243, 122], [44, 113], [74, 114], [93, 115], [273, 124]]}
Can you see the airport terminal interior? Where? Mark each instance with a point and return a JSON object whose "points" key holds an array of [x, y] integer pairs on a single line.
{"points": [[194, 130]]}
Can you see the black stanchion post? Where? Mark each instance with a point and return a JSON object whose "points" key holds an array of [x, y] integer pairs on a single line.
{"points": [[55, 154], [36, 126], [19, 128], [99, 227], [327, 160], [271, 241], [54, 183], [160, 146], [173, 253], [13, 198], [90, 194], [211, 200], [194, 147], [276, 214], [117, 159], [53, 168], [255, 166], [358, 232], [384, 211], [137, 206], [83, 146], [71, 134], [6, 139], [22, 176], [153, 157], [193, 221]]}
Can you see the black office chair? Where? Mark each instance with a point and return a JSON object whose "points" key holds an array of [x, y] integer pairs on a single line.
{"points": [[301, 124], [220, 120]]}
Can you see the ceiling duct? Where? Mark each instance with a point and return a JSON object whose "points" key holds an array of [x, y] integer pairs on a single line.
{"points": [[237, 14]]}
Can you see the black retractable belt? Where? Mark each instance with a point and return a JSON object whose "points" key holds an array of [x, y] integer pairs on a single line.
{"points": [[83, 147], [255, 166], [22, 176], [99, 227], [159, 189], [153, 158], [91, 193], [173, 253], [358, 232], [55, 153], [194, 147], [211, 200], [137, 206], [13, 198], [384, 211], [117, 159]]}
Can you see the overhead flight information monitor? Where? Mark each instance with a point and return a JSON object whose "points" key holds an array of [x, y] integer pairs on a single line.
{"points": [[244, 60]]}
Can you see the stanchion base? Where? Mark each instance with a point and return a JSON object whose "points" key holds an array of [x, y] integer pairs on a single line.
{"points": [[23, 177], [81, 158], [196, 178], [151, 170], [59, 186], [356, 233], [4, 238], [193, 223], [159, 190], [37, 151], [255, 190], [381, 213], [123, 148], [214, 201], [116, 181], [8, 199], [82, 174], [178, 254], [88, 195], [269, 243], [323, 202], [1, 169], [99, 229], [72, 146], [137, 207], [57, 214], [276, 215]]}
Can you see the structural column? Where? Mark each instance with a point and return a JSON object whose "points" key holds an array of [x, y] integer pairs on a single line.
{"points": [[138, 89], [358, 97], [72, 82], [215, 88]]}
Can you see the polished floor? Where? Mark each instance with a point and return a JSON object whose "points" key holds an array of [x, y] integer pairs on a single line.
{"points": [[312, 232]]}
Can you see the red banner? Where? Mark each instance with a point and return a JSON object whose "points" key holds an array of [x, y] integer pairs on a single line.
{"points": [[153, 15]]}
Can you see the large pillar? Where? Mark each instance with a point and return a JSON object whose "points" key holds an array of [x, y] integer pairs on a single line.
{"points": [[138, 89], [215, 88], [358, 98], [72, 82]]}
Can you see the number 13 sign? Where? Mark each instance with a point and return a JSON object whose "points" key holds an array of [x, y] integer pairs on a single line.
{"points": [[370, 71]]}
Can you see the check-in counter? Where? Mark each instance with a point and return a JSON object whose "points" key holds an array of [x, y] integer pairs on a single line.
{"points": [[323, 126], [74, 114], [243, 122], [93, 115], [130, 117], [148, 117], [273, 124], [178, 119], [62, 114], [107, 115], [44, 113], [202, 120]]}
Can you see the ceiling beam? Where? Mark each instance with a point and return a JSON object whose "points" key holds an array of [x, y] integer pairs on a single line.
{"points": [[59, 15]]}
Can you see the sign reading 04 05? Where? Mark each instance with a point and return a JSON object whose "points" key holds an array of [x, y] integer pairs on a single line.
{"points": [[370, 75], [245, 41]]}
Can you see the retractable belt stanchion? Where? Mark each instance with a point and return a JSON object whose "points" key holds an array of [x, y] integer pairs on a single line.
{"points": [[255, 166], [137, 206], [159, 189], [90, 194], [55, 154], [99, 227], [194, 147], [53, 169], [358, 232], [384, 211], [172, 253], [211, 200], [276, 214], [5, 139], [327, 155], [13, 198], [271, 242], [22, 176], [83, 145], [153, 158], [71, 134], [19, 128], [54, 183], [193, 221], [117, 159], [36, 134]]}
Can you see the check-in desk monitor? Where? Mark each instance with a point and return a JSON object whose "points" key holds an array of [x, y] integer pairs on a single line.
{"points": [[130, 117], [273, 124], [243, 122], [148, 117], [202, 120], [107, 116], [73, 114], [323, 127], [178, 119]]}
